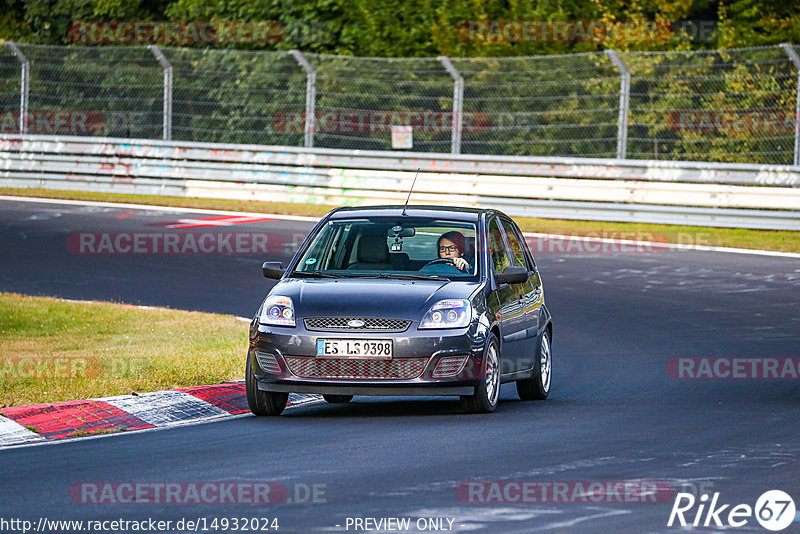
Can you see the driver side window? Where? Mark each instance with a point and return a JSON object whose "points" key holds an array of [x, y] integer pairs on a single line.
{"points": [[497, 247]]}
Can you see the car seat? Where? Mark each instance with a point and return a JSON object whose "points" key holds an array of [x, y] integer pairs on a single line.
{"points": [[372, 254]]}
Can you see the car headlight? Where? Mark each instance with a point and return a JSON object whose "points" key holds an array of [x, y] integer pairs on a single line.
{"points": [[455, 313], [277, 311]]}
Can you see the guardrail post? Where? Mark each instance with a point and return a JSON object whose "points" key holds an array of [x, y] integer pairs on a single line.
{"points": [[24, 89], [790, 51], [458, 104], [624, 99], [311, 95], [167, 134]]}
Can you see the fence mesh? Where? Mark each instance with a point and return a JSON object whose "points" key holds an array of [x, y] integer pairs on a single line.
{"points": [[359, 99], [10, 72], [117, 90], [725, 105], [235, 96], [544, 106], [730, 105]]}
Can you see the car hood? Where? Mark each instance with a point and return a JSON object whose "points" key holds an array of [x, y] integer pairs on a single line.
{"points": [[397, 299]]}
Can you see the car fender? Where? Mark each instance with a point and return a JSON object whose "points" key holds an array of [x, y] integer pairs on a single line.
{"points": [[545, 321]]}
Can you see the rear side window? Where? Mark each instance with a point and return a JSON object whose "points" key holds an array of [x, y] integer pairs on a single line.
{"points": [[516, 246], [500, 258]]}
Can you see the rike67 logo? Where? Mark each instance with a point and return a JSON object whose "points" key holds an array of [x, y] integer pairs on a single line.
{"points": [[774, 510]]}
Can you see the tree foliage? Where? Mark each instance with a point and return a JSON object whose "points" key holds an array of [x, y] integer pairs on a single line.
{"points": [[541, 96], [418, 28]]}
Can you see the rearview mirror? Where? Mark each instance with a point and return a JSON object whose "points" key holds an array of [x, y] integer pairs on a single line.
{"points": [[512, 274], [272, 269], [402, 232]]}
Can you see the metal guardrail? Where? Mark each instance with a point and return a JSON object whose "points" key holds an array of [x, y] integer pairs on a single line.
{"points": [[710, 194]]}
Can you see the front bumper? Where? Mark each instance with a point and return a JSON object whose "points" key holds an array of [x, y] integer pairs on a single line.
{"points": [[418, 360]]}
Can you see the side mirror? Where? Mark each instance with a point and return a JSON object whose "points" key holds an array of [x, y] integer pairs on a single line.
{"points": [[512, 274], [272, 269]]}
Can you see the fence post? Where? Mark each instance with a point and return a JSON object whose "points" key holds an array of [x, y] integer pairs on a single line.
{"points": [[311, 95], [458, 104], [796, 60], [624, 99], [24, 89], [167, 90]]}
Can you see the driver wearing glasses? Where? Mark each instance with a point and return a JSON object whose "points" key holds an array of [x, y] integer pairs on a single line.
{"points": [[451, 246]]}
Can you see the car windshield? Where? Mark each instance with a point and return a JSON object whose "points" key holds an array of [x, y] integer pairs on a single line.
{"points": [[388, 247]]}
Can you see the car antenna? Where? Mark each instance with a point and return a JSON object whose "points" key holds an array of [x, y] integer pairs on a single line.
{"points": [[409, 191]]}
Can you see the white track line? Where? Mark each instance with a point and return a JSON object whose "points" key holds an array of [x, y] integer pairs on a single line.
{"points": [[674, 246], [656, 244], [155, 208]]}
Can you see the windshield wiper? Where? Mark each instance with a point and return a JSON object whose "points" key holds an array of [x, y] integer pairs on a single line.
{"points": [[420, 277], [316, 274], [404, 276]]}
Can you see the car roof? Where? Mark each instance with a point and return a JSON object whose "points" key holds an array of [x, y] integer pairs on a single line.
{"points": [[444, 212]]}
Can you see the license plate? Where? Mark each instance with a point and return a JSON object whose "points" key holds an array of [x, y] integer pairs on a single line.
{"points": [[378, 349]]}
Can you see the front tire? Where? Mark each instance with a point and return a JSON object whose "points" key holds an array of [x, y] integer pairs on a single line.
{"points": [[262, 402], [487, 393], [537, 387]]}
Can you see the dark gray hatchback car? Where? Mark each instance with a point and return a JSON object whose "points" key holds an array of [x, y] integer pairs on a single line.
{"points": [[403, 301]]}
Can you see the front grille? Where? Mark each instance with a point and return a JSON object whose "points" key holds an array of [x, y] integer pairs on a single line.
{"points": [[268, 363], [371, 324], [400, 368]]}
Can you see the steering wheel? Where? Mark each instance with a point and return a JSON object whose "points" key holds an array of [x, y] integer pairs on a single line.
{"points": [[447, 267], [440, 260]]}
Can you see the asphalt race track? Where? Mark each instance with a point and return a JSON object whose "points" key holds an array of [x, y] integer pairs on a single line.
{"points": [[617, 413]]}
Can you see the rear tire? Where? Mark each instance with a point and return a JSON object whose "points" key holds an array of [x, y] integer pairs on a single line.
{"points": [[337, 399], [487, 393], [262, 402], [537, 387]]}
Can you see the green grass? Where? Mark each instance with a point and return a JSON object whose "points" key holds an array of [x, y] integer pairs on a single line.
{"points": [[51, 350], [779, 240], [98, 432]]}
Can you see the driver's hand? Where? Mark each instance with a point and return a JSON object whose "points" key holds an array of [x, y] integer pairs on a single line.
{"points": [[461, 264]]}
